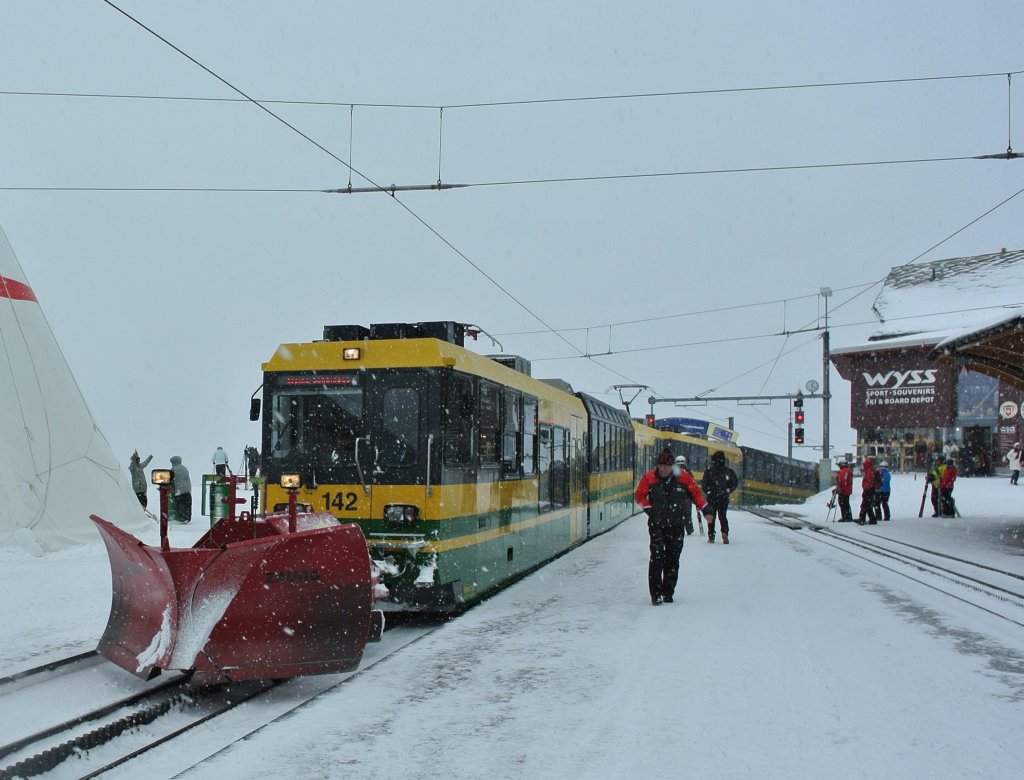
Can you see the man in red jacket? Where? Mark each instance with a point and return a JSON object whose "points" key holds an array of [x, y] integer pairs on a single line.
{"points": [[666, 499], [867, 494], [844, 489], [947, 507]]}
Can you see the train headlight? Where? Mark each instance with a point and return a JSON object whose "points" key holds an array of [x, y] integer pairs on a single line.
{"points": [[401, 514], [291, 481], [351, 353], [161, 477]]}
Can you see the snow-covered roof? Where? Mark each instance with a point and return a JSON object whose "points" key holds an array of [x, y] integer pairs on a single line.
{"points": [[926, 303]]}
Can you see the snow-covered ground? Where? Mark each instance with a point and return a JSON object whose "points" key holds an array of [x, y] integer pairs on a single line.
{"points": [[780, 658]]}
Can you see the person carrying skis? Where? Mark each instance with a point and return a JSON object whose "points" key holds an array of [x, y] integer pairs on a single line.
{"points": [[844, 489], [934, 478], [664, 497]]}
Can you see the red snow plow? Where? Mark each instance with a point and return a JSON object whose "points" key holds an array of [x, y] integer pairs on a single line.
{"points": [[286, 594]]}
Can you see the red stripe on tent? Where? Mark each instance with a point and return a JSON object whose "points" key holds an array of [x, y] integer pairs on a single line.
{"points": [[16, 291]]}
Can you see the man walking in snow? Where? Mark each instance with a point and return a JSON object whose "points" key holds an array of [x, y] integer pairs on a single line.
{"points": [[867, 494], [666, 498], [719, 481], [1013, 457]]}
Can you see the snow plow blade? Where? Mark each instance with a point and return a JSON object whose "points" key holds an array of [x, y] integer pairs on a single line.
{"points": [[250, 600]]}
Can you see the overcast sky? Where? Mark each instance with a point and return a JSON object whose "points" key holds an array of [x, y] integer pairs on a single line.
{"points": [[166, 303]]}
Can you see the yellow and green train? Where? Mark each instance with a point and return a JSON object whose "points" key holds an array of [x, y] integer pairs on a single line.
{"points": [[463, 471]]}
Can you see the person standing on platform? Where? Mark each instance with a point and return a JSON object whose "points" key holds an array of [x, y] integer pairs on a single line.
{"points": [[867, 495], [664, 497], [1013, 457], [883, 491], [220, 462], [677, 469], [252, 460], [182, 490], [934, 478], [136, 468], [844, 489], [947, 507], [719, 481]]}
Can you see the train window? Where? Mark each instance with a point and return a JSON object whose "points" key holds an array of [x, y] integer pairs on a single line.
{"points": [[529, 436], [318, 427], [544, 468], [458, 415], [489, 419], [400, 422], [511, 426], [559, 467]]}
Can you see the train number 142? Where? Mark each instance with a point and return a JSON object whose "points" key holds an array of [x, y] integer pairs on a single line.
{"points": [[344, 502]]}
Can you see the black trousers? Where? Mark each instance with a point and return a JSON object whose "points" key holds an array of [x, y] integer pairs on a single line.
{"points": [[719, 508], [143, 499], [882, 506], [183, 507], [666, 547], [845, 512], [867, 507], [947, 507]]}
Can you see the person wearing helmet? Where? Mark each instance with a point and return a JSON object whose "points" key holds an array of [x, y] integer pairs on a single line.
{"points": [[947, 507], [719, 481], [883, 479], [867, 494], [844, 489], [664, 497], [1013, 457], [679, 467]]}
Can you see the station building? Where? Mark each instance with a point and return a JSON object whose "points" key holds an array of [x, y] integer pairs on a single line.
{"points": [[921, 386]]}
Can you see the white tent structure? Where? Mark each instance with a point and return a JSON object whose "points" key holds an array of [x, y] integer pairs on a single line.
{"points": [[56, 467]]}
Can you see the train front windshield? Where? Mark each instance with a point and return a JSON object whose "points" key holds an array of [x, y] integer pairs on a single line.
{"points": [[316, 427]]}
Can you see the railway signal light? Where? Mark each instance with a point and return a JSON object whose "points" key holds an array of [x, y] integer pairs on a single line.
{"points": [[798, 435], [798, 416], [650, 420]]}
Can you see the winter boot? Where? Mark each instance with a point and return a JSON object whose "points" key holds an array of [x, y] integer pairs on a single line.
{"points": [[711, 538], [725, 538]]}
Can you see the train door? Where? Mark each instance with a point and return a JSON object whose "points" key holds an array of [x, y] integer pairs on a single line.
{"points": [[394, 457], [578, 477]]}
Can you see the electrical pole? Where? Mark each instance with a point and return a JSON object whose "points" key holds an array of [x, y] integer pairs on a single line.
{"points": [[825, 468]]}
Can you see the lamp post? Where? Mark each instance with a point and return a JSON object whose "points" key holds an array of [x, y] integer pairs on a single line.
{"points": [[163, 479], [292, 483]]}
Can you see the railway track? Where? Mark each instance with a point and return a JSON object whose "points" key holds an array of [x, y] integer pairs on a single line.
{"points": [[996, 591], [99, 718]]}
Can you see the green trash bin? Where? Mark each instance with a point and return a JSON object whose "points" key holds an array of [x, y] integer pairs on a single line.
{"points": [[219, 493]]}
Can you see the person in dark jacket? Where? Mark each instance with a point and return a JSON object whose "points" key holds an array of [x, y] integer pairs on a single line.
{"points": [[182, 490], [136, 468], [666, 498], [844, 489], [867, 494], [883, 491], [719, 481]]}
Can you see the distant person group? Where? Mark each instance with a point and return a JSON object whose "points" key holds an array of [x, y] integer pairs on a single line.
{"points": [[181, 481], [875, 488], [667, 495]]}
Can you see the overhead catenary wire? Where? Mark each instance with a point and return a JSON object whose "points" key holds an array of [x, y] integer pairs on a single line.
{"points": [[524, 102], [331, 154]]}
